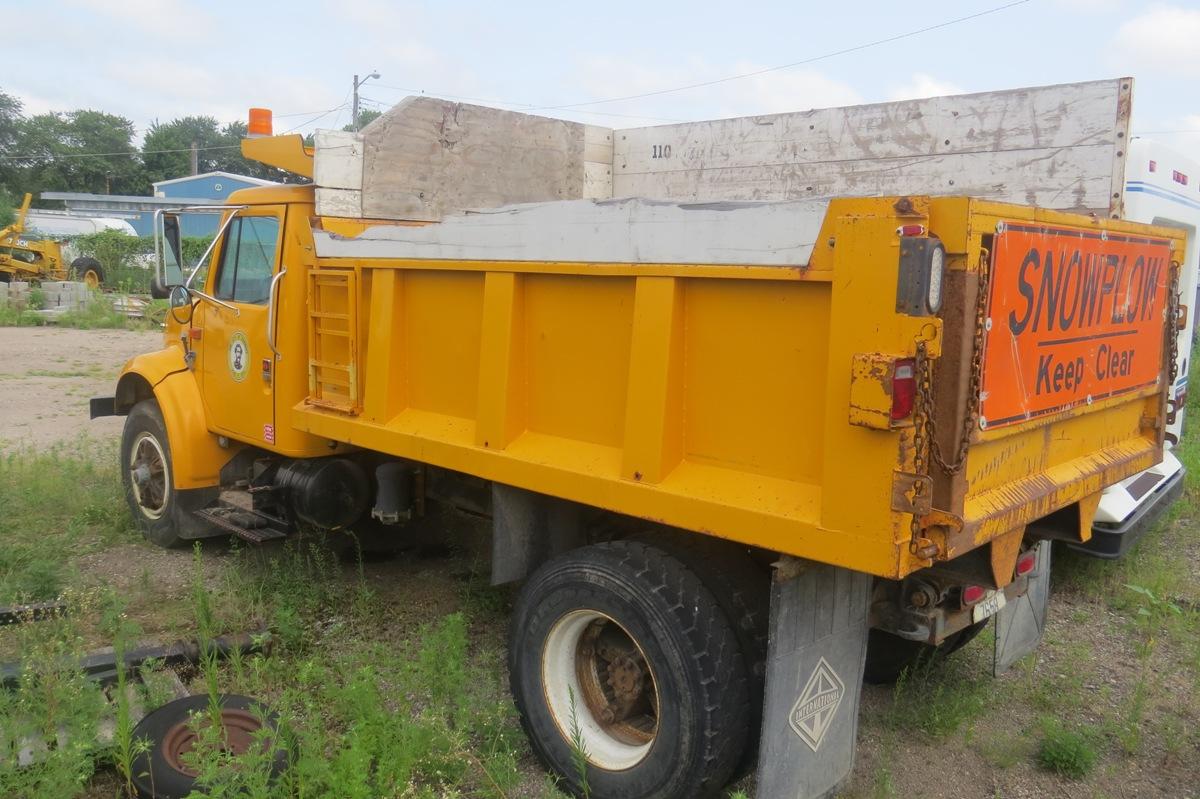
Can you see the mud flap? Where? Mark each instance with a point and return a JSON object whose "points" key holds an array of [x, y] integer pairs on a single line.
{"points": [[817, 648], [1020, 623]]}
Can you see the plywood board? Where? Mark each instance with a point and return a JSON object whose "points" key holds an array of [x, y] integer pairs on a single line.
{"points": [[427, 157], [340, 161], [1056, 146], [339, 202], [608, 231]]}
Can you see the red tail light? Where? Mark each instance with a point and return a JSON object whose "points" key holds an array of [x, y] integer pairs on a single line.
{"points": [[972, 594], [1026, 562], [904, 388]]}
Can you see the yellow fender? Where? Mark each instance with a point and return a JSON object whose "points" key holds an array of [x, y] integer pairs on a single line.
{"points": [[196, 457]]}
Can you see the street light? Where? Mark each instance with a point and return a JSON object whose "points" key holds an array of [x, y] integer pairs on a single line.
{"points": [[357, 83]]}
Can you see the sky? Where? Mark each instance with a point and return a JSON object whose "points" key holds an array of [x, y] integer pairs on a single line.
{"points": [[158, 59]]}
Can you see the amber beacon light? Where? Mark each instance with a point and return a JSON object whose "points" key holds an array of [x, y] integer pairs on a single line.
{"points": [[259, 123]]}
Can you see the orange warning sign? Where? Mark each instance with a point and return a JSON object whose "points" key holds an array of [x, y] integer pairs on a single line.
{"points": [[1074, 316]]}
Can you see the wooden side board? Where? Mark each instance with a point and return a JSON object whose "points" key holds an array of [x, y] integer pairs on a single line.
{"points": [[427, 157], [1059, 147]]}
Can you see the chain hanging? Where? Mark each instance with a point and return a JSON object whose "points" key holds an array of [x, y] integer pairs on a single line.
{"points": [[925, 442], [925, 423]]}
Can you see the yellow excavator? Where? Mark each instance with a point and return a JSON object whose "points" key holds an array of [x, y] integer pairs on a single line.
{"points": [[36, 259]]}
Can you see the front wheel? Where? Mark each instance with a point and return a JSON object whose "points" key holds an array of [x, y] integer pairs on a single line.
{"points": [[627, 675], [147, 475], [88, 271]]}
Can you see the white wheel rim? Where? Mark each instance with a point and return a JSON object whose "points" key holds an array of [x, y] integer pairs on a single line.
{"points": [[574, 700], [149, 475]]}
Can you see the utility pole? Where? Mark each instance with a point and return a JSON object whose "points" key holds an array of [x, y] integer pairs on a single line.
{"points": [[354, 106], [195, 158]]}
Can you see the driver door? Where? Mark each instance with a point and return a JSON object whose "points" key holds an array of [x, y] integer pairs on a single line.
{"points": [[237, 364]]}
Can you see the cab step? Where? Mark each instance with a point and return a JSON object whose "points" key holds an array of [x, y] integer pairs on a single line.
{"points": [[249, 525]]}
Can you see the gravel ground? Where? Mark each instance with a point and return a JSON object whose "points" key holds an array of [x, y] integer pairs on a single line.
{"points": [[48, 374]]}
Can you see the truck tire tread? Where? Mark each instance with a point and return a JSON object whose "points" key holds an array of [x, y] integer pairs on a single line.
{"points": [[681, 613]]}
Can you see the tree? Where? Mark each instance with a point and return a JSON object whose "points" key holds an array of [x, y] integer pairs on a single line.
{"points": [[365, 117], [166, 148], [83, 150], [10, 125]]}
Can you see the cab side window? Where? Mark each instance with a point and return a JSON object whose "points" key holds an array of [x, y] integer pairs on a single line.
{"points": [[248, 259]]}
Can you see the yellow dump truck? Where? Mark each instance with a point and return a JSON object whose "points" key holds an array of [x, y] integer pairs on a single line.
{"points": [[741, 454]]}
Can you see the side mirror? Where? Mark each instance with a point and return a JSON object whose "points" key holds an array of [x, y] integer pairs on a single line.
{"points": [[168, 251], [181, 304], [159, 290]]}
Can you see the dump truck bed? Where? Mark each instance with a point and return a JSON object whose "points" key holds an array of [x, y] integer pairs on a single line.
{"points": [[712, 366]]}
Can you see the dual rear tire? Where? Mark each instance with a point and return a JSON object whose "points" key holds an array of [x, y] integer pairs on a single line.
{"points": [[629, 675]]}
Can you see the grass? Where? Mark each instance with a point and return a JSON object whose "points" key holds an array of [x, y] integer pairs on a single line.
{"points": [[939, 698], [65, 499], [97, 314], [1068, 753], [369, 701]]}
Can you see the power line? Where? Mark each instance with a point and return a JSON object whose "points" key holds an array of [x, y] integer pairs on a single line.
{"points": [[1165, 132], [801, 62], [319, 116], [34, 157]]}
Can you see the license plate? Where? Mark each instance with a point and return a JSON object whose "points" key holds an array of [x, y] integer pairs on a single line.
{"points": [[988, 606]]}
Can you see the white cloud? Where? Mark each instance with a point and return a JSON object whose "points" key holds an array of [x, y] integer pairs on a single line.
{"points": [[176, 20], [923, 85], [1181, 133], [1090, 5], [605, 77], [787, 90], [1163, 37]]}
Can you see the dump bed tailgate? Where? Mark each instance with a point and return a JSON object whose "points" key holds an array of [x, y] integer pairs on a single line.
{"points": [[1073, 363]]}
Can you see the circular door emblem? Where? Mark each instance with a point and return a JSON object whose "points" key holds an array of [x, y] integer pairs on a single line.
{"points": [[239, 356]]}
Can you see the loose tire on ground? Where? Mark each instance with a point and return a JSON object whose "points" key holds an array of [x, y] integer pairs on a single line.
{"points": [[162, 770], [87, 270], [889, 655], [624, 625], [147, 474]]}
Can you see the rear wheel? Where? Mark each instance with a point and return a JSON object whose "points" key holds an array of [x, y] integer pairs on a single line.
{"points": [[888, 655], [87, 270], [627, 675], [742, 588], [147, 475]]}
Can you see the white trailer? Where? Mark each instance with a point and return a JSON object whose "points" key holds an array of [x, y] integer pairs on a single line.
{"points": [[1162, 187]]}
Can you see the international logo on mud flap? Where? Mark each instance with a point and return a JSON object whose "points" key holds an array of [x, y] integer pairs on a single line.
{"points": [[813, 712], [239, 356]]}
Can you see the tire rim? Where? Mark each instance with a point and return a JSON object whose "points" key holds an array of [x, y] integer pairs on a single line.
{"points": [[237, 735], [600, 689], [149, 475], [91, 279]]}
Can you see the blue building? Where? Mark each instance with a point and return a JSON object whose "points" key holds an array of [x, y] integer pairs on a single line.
{"points": [[209, 188]]}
